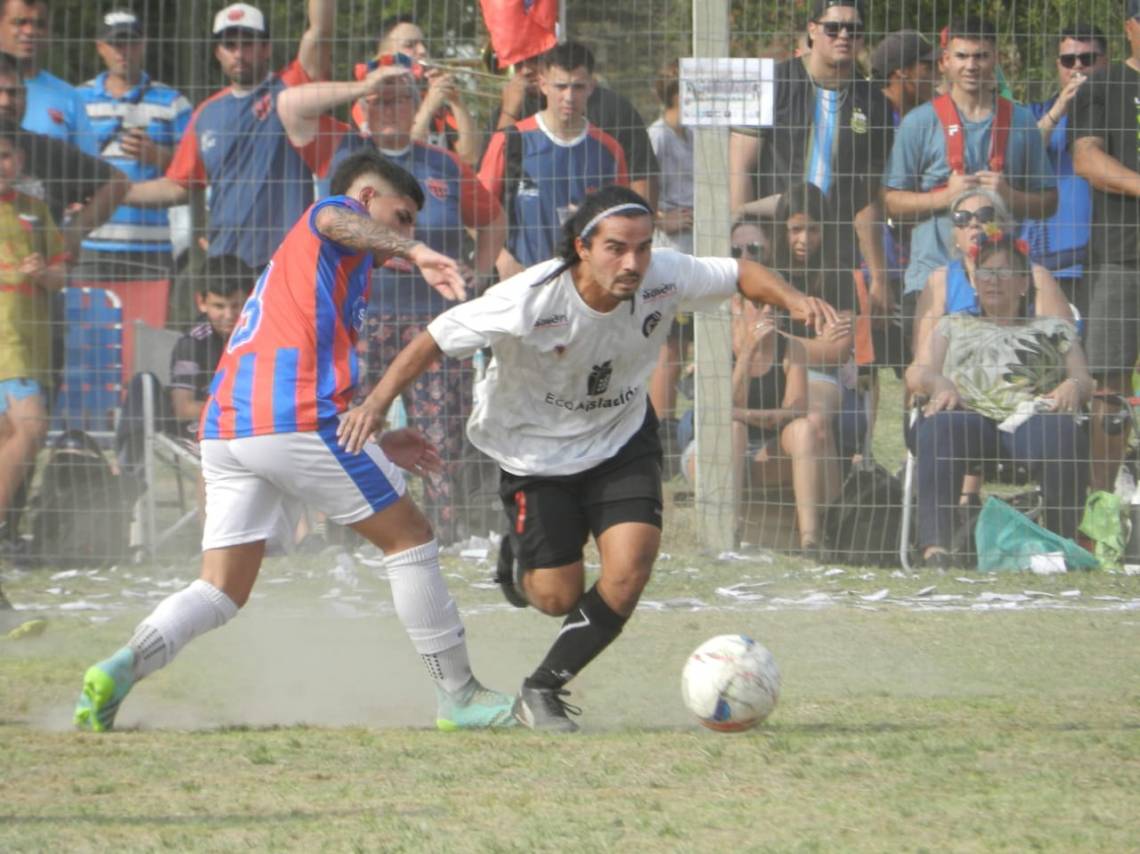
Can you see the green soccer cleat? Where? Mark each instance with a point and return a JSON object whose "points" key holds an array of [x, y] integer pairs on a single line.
{"points": [[474, 707], [104, 686]]}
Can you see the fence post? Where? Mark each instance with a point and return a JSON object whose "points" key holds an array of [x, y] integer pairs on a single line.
{"points": [[712, 408]]}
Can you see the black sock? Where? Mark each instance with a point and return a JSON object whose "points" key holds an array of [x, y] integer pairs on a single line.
{"points": [[588, 629]]}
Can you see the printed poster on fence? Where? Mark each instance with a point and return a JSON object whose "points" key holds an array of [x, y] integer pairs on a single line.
{"points": [[726, 91]]}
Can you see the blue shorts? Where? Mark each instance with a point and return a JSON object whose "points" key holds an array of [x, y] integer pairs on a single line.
{"points": [[20, 388]]}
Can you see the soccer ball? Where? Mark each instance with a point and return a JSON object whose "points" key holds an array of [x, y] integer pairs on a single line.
{"points": [[731, 683]]}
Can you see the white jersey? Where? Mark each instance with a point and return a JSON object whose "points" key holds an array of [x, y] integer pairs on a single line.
{"points": [[566, 387]]}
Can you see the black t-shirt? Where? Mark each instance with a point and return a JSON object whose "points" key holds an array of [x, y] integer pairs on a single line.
{"points": [[1107, 107], [194, 360], [60, 174], [614, 114], [767, 392], [866, 130], [836, 287]]}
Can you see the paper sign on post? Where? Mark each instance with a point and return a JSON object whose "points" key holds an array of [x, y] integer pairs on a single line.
{"points": [[726, 91]]}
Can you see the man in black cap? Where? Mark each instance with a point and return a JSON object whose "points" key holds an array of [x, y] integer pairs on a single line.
{"points": [[1103, 118], [137, 123], [821, 98], [904, 66]]}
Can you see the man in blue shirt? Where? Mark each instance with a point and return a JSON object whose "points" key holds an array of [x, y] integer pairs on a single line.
{"points": [[919, 184], [1060, 243], [54, 107], [235, 146], [138, 122], [543, 166]]}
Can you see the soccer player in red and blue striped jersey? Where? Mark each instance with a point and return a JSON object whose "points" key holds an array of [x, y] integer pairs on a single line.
{"points": [[269, 440]]}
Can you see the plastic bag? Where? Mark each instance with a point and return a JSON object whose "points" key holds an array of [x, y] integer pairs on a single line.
{"points": [[1105, 522], [1008, 541]]}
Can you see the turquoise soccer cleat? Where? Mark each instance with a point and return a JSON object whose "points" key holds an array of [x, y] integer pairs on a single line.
{"points": [[104, 686], [474, 707]]}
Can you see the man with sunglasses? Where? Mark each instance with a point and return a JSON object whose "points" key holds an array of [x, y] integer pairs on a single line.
{"points": [[830, 128], [1103, 121], [935, 158], [235, 144], [1059, 244]]}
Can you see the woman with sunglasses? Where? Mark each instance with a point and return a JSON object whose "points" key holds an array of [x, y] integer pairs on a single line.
{"points": [[1003, 385], [951, 289], [777, 443]]}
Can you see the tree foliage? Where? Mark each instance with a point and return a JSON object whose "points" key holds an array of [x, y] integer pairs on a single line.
{"points": [[632, 39]]}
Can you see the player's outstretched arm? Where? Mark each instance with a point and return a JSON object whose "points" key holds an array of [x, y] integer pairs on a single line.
{"points": [[363, 234], [359, 424], [762, 285]]}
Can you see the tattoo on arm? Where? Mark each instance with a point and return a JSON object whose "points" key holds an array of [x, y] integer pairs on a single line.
{"points": [[361, 233]]}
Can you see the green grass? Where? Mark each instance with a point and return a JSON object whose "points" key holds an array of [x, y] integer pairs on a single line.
{"points": [[303, 724]]}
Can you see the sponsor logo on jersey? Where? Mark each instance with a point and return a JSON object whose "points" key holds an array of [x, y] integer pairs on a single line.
{"points": [[56, 116], [650, 323], [437, 187], [263, 106], [552, 320], [359, 310], [207, 141], [622, 399], [599, 379], [659, 292]]}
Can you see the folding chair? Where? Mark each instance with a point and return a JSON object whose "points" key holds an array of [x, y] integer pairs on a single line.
{"points": [[995, 471], [144, 296], [90, 387], [152, 362]]}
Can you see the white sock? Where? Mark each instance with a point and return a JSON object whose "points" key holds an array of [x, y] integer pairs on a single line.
{"points": [[176, 621], [429, 614]]}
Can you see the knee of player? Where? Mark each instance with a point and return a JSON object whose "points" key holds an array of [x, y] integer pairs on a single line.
{"points": [[555, 602], [626, 583]]}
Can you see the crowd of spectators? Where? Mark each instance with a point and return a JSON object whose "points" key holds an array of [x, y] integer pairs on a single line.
{"points": [[883, 172]]}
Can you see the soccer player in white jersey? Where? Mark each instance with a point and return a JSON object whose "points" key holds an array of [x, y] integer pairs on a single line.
{"points": [[563, 410]]}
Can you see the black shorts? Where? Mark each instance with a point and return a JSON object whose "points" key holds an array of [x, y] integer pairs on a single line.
{"points": [[552, 517]]}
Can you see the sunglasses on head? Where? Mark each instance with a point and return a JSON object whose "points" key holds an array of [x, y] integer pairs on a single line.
{"points": [[752, 250], [1070, 60], [982, 216], [832, 29]]}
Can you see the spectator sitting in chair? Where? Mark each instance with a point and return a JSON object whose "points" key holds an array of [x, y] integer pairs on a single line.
{"points": [[951, 289], [33, 264], [1004, 385]]}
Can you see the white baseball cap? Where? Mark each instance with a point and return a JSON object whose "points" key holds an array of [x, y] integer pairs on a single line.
{"points": [[240, 16]]}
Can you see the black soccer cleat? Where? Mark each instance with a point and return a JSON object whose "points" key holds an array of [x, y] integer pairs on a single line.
{"points": [[544, 709], [508, 575]]}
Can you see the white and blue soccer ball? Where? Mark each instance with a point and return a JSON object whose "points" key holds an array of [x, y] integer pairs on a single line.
{"points": [[731, 683]]}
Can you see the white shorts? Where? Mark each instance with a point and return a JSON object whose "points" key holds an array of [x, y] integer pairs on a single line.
{"points": [[257, 487]]}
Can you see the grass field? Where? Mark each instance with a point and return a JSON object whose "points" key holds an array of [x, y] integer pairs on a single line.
{"points": [[984, 714]]}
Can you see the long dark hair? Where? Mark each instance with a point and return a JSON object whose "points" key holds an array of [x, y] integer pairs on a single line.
{"points": [[592, 205], [809, 200]]}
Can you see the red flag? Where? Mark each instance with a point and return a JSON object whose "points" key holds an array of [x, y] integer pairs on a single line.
{"points": [[520, 29]]}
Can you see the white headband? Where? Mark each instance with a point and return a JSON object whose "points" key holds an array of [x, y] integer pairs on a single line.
{"points": [[625, 206]]}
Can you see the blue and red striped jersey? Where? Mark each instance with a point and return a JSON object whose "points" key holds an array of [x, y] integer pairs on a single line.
{"points": [[290, 364]]}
